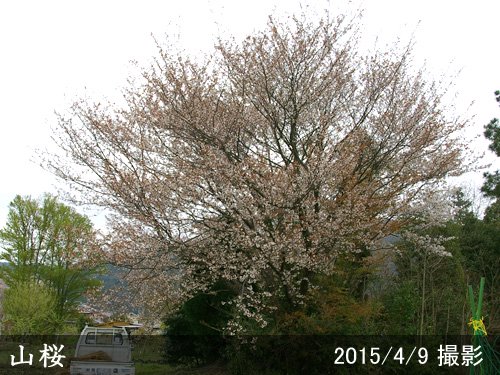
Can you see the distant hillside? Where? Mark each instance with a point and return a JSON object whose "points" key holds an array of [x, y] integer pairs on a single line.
{"points": [[111, 276]]}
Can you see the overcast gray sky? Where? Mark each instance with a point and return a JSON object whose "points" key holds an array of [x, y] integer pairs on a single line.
{"points": [[52, 52]]}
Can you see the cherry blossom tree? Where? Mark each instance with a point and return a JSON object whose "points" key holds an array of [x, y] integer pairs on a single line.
{"points": [[259, 165]]}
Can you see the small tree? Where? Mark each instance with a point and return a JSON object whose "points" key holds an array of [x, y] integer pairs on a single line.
{"points": [[29, 308]]}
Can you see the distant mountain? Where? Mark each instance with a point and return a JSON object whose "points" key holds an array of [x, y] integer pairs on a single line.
{"points": [[111, 276]]}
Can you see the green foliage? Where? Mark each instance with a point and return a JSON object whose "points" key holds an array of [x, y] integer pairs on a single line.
{"points": [[28, 308], [69, 285], [480, 246], [194, 333], [481, 238], [47, 242], [491, 186], [400, 316], [492, 213], [429, 290], [463, 207], [492, 132]]}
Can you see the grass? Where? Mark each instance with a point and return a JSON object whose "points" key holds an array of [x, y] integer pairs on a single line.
{"points": [[165, 369]]}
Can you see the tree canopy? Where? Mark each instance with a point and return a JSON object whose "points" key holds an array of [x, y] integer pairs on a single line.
{"points": [[48, 243], [262, 165]]}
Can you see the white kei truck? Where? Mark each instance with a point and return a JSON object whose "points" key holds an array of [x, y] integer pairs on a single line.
{"points": [[103, 351]]}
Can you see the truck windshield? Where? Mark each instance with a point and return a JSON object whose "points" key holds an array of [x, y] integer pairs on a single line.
{"points": [[104, 339]]}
